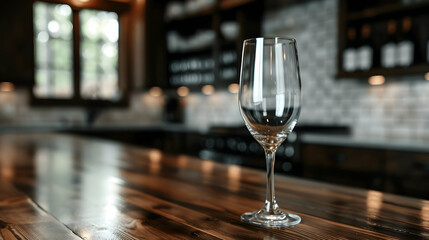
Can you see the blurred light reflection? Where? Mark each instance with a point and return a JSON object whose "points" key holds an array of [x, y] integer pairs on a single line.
{"points": [[85, 233], [6, 87], [53, 26], [234, 176], [43, 37], [110, 212], [111, 29], [7, 170], [374, 201], [115, 180], [207, 167], [63, 9], [54, 174], [208, 89], [155, 91], [425, 214], [109, 50], [183, 91], [99, 194], [233, 88], [182, 161], [155, 157], [376, 80], [270, 238]]}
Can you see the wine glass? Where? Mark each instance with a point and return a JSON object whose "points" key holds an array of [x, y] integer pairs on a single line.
{"points": [[269, 101]]}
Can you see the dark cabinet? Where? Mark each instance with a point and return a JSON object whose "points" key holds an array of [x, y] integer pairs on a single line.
{"points": [[343, 165], [196, 46], [408, 173], [399, 172], [235, 145], [391, 38], [16, 42]]}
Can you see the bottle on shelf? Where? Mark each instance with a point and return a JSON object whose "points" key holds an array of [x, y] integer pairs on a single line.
{"points": [[388, 50], [349, 54], [365, 51], [405, 45]]}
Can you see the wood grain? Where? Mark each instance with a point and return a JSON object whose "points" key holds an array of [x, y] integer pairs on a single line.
{"points": [[21, 218], [67, 187]]}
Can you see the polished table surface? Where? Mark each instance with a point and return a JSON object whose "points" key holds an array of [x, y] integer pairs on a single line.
{"points": [[68, 187]]}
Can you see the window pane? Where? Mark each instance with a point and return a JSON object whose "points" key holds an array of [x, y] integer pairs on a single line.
{"points": [[53, 84], [99, 55], [63, 54], [63, 79], [42, 86], [53, 50]]}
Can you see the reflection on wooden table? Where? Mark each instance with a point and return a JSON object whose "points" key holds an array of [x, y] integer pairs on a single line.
{"points": [[67, 187]]}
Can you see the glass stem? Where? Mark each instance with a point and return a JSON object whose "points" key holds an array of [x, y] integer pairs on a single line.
{"points": [[270, 201]]}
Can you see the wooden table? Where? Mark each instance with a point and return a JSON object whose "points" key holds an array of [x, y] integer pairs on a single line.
{"points": [[66, 187]]}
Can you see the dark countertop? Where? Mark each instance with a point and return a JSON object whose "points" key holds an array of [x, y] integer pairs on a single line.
{"points": [[384, 143], [172, 127], [309, 134]]}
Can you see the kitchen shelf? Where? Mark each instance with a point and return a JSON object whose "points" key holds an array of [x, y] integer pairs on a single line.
{"points": [[247, 14], [377, 14], [230, 4], [200, 51], [387, 72], [205, 12], [389, 10]]}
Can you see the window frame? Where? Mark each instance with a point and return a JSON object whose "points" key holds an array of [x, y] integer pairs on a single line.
{"points": [[122, 9]]}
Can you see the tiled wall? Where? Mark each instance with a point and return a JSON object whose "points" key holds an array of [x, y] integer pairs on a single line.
{"points": [[15, 110], [219, 109], [399, 108]]}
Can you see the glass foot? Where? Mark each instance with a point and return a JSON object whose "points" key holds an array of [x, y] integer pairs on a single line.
{"points": [[277, 220]]}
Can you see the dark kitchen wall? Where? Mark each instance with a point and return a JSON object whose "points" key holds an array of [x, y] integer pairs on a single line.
{"points": [[16, 45]]}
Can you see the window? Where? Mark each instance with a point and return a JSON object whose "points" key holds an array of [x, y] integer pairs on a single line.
{"points": [[76, 55], [99, 54], [53, 50]]}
